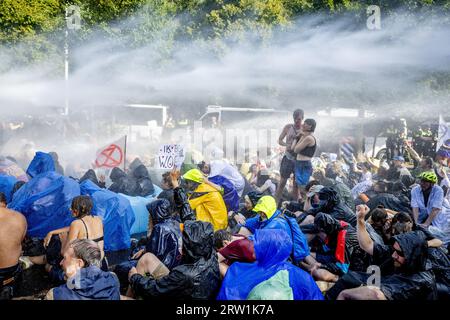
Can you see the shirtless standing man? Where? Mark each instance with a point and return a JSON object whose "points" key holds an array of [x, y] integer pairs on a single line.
{"points": [[13, 227], [287, 166]]}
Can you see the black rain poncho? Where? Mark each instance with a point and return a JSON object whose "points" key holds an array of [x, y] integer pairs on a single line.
{"points": [[198, 275], [120, 182], [165, 240], [334, 207], [143, 185], [341, 251]]}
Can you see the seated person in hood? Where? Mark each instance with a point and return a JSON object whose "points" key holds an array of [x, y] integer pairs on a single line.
{"points": [[405, 274], [85, 279], [271, 276], [91, 175], [344, 192], [197, 276], [337, 249], [250, 201], [164, 241], [327, 201], [205, 200], [270, 218], [120, 182], [143, 185]]}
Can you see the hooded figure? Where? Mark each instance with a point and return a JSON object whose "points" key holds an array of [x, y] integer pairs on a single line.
{"points": [[331, 204], [120, 182], [143, 185], [94, 284], [274, 219], [270, 277], [42, 162], [412, 280], [165, 240], [207, 201], [198, 275], [340, 251], [90, 175]]}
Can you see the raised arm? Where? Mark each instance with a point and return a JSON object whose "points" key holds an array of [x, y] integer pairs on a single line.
{"points": [[303, 143], [364, 240]]}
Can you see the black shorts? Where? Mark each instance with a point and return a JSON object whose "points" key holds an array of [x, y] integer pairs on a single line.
{"points": [[287, 167], [9, 278]]}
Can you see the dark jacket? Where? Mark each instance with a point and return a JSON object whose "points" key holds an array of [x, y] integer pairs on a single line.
{"points": [[90, 175], [341, 246], [143, 185], [198, 275], [165, 240], [415, 281], [334, 207], [388, 201], [94, 284], [121, 183]]}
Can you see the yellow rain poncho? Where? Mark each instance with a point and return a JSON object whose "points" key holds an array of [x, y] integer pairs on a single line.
{"points": [[207, 202]]}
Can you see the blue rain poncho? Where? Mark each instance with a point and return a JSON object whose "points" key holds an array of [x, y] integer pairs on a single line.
{"points": [[45, 201], [116, 213], [42, 162], [272, 249], [7, 185]]}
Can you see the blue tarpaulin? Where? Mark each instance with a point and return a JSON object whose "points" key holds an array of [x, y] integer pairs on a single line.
{"points": [[42, 162], [6, 185], [116, 213], [45, 201], [139, 206]]}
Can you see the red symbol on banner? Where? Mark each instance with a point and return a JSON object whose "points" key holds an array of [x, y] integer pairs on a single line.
{"points": [[110, 157]]}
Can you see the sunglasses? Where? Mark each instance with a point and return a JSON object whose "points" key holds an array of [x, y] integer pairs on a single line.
{"points": [[399, 253]]}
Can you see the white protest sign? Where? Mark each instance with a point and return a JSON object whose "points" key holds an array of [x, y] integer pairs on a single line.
{"points": [[170, 156]]}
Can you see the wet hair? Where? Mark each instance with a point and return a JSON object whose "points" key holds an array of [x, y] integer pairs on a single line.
{"points": [[3, 198], [219, 237], [17, 186], [312, 123], [166, 178], [298, 112], [310, 184], [428, 161], [379, 215], [83, 205], [88, 251], [382, 186], [402, 223]]}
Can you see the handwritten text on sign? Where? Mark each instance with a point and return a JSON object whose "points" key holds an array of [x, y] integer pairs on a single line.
{"points": [[169, 156]]}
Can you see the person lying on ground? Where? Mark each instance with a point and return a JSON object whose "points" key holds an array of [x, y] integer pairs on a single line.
{"points": [[232, 248], [197, 277], [13, 228], [84, 278]]}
